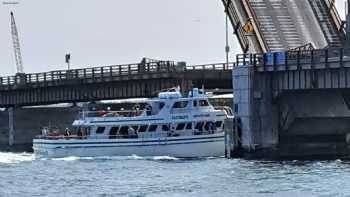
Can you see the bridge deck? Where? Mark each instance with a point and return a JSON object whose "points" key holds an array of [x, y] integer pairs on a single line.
{"points": [[110, 82], [281, 25]]}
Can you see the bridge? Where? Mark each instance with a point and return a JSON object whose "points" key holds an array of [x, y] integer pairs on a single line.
{"points": [[280, 25], [143, 79], [291, 86]]}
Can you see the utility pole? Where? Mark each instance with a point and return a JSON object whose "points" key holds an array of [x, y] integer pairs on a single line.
{"points": [[227, 47], [16, 45]]}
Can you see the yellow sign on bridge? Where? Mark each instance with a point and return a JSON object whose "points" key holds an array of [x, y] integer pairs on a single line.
{"points": [[248, 27]]}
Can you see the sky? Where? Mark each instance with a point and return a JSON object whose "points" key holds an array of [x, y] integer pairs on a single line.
{"points": [[109, 32]]}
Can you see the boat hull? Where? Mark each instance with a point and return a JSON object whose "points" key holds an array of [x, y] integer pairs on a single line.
{"points": [[185, 146]]}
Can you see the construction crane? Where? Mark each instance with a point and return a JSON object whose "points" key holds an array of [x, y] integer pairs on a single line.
{"points": [[16, 45]]}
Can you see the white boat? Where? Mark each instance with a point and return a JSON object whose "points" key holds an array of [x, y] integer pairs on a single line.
{"points": [[170, 125]]}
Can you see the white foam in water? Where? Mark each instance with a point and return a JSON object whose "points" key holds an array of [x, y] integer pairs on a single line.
{"points": [[71, 158], [131, 157], [9, 158], [135, 157], [165, 158]]}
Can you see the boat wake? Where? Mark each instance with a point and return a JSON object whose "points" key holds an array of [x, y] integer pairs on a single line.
{"points": [[13, 158]]}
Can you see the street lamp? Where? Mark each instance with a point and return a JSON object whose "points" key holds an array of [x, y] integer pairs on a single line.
{"points": [[68, 60]]}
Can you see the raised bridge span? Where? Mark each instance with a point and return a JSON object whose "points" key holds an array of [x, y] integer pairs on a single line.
{"points": [[281, 25]]}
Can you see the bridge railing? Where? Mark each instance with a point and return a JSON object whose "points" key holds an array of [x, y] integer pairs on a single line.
{"points": [[335, 16], [87, 73], [217, 66], [105, 72], [317, 58]]}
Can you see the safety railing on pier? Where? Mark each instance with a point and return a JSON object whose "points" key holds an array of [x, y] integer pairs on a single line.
{"points": [[318, 58], [107, 71]]}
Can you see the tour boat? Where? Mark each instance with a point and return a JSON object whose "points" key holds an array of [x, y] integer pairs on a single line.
{"points": [[169, 125]]}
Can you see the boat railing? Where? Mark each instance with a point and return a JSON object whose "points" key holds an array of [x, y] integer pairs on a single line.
{"points": [[108, 113], [227, 109], [58, 136], [68, 137]]}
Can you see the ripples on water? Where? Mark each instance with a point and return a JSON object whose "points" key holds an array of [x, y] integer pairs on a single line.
{"points": [[24, 175]]}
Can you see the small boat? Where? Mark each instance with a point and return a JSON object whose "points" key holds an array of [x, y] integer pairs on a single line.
{"points": [[170, 125]]}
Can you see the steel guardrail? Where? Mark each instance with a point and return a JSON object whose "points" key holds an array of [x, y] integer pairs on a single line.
{"points": [[292, 60]]}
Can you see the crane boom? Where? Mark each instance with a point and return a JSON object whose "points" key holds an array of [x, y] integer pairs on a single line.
{"points": [[16, 45]]}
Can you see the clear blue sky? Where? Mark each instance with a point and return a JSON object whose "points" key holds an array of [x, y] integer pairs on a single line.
{"points": [[107, 32]]}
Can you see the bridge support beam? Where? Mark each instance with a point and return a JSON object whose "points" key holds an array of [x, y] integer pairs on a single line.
{"points": [[11, 126]]}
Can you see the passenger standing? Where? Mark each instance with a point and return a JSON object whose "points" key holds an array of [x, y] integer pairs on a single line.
{"points": [[67, 133]]}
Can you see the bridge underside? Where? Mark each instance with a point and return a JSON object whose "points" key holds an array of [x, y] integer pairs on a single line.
{"points": [[314, 122]]}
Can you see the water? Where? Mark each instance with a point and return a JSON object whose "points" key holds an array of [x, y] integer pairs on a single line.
{"points": [[23, 175]]}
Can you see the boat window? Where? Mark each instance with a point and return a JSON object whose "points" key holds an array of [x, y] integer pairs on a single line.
{"points": [[209, 126], [180, 104], [199, 126], [143, 128], [124, 130], [152, 128], [195, 103], [161, 105], [113, 132], [135, 127], [180, 126], [218, 123], [203, 103], [100, 130], [189, 125], [165, 127]]}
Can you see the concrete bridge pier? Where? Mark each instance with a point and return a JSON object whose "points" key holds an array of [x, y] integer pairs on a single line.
{"points": [[11, 133], [294, 110], [253, 105]]}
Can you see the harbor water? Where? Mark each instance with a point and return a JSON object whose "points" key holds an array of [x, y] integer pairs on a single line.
{"points": [[24, 175]]}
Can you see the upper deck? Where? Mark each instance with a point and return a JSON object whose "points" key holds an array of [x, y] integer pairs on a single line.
{"points": [[169, 106]]}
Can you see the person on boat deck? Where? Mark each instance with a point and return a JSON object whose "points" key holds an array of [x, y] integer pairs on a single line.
{"points": [[148, 109], [67, 132], [84, 133], [44, 132], [136, 110], [132, 132], [55, 133], [108, 113], [80, 133]]}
